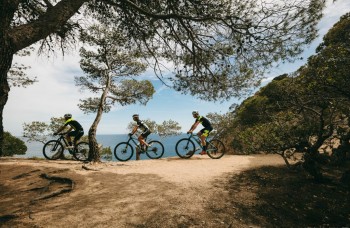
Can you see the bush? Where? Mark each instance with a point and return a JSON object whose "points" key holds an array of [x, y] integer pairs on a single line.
{"points": [[13, 145]]}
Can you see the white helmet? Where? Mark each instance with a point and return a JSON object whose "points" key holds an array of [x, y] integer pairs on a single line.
{"points": [[68, 115]]}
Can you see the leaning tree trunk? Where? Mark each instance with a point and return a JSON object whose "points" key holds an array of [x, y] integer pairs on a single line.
{"points": [[6, 57], [94, 154]]}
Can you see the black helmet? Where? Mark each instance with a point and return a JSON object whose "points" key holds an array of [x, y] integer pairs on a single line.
{"points": [[195, 112], [135, 115], [68, 115]]}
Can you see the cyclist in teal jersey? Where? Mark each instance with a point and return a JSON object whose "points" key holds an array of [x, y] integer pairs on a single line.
{"points": [[75, 130], [203, 133]]}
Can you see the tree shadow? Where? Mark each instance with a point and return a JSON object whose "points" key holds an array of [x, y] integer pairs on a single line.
{"points": [[277, 197]]}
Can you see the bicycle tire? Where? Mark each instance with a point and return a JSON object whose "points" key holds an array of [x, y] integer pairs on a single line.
{"points": [[156, 150], [215, 149], [53, 150], [81, 151], [185, 148], [123, 151]]}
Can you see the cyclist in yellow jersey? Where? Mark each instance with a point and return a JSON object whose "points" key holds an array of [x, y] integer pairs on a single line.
{"points": [[203, 133], [74, 125]]}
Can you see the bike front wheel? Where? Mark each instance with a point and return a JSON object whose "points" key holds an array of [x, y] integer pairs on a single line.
{"points": [[123, 151], [53, 150], [81, 152], [185, 148], [155, 150], [215, 149]]}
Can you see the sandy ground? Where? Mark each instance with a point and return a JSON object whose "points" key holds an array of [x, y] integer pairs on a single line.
{"points": [[169, 192]]}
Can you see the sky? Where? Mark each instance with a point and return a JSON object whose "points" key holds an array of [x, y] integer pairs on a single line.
{"points": [[56, 94]]}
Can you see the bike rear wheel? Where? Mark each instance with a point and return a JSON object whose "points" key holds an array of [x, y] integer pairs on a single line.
{"points": [[215, 149], [156, 150], [53, 150], [185, 148], [123, 151], [81, 151]]}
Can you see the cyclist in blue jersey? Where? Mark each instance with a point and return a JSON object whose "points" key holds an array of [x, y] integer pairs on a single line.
{"points": [[143, 127], [75, 130], [203, 133]]}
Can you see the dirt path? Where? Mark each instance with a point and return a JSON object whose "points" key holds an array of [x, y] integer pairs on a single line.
{"points": [[169, 192]]}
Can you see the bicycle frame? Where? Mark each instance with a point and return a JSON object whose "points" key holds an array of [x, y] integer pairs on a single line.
{"points": [[62, 138], [135, 141], [196, 138]]}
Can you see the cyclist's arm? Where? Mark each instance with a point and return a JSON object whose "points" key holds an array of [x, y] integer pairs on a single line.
{"points": [[70, 129], [193, 127], [62, 128], [59, 130], [134, 129]]}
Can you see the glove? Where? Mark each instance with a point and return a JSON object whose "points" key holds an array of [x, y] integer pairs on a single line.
{"points": [[189, 132], [55, 133], [130, 134]]}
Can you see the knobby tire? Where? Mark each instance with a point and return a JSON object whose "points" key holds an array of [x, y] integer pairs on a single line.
{"points": [[185, 148], [123, 151]]}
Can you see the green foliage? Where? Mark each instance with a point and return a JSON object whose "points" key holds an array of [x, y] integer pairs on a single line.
{"points": [[13, 145], [38, 131], [166, 128], [213, 44], [106, 63], [106, 153], [17, 76]]}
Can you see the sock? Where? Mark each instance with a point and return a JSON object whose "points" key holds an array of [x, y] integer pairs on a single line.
{"points": [[205, 148]]}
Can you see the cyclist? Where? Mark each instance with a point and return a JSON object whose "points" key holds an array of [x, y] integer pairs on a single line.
{"points": [[74, 125], [202, 134], [143, 127]]}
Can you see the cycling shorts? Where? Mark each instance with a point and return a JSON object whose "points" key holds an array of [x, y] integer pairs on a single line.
{"points": [[205, 131], [145, 133], [76, 134]]}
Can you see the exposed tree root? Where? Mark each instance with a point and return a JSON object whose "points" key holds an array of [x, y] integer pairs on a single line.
{"points": [[68, 186]]}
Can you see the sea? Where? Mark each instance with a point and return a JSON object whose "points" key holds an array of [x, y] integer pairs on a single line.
{"points": [[35, 148]]}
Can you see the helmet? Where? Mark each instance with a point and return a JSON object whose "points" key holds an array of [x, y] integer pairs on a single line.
{"points": [[135, 115], [195, 112], [68, 115]]}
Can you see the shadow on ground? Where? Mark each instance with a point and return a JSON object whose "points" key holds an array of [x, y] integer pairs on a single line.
{"points": [[277, 197]]}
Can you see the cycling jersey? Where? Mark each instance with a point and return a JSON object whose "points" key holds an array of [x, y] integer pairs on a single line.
{"points": [[74, 124], [205, 122], [142, 126]]}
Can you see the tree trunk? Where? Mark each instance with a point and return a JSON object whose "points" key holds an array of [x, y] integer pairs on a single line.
{"points": [[13, 39], [94, 154], [6, 57]]}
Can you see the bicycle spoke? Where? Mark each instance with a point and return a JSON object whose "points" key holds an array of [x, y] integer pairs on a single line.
{"points": [[215, 149], [53, 150], [81, 152], [155, 150], [185, 148], [123, 151]]}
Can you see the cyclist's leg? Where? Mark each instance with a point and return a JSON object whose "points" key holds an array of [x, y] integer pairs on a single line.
{"points": [[69, 136], [142, 138], [77, 136], [204, 134]]}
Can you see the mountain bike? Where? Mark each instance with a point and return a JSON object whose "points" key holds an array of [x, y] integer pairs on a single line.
{"points": [[185, 148], [124, 150], [54, 149]]}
